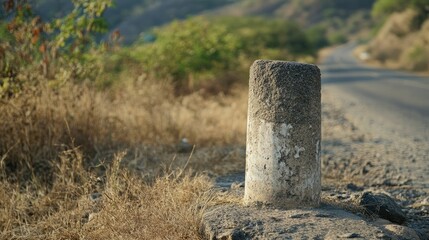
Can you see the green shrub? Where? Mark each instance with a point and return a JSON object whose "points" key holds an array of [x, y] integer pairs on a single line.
{"points": [[317, 36], [256, 34], [202, 49], [383, 8], [337, 38], [188, 49]]}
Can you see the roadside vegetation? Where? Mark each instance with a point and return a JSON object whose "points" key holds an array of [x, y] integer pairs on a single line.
{"points": [[91, 131], [215, 53]]}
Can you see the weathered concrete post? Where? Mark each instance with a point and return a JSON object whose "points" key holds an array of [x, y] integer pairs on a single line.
{"points": [[283, 135]]}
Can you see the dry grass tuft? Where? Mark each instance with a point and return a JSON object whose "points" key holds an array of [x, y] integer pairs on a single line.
{"points": [[170, 208], [123, 206], [29, 212]]}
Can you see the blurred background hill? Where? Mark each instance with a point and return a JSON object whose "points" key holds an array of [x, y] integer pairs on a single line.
{"points": [[306, 12], [133, 17], [401, 39]]}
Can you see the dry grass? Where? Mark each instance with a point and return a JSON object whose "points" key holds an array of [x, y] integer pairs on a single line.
{"points": [[143, 116], [170, 207], [60, 149]]}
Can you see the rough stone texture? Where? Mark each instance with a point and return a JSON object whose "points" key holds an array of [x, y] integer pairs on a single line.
{"points": [[283, 135], [240, 222], [383, 206]]}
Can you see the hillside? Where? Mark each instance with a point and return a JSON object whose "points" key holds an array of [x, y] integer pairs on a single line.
{"points": [[126, 9], [307, 12], [132, 17], [402, 41], [401, 45], [162, 12], [336, 19]]}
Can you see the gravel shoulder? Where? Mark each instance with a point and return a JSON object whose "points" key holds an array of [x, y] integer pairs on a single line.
{"points": [[360, 151]]}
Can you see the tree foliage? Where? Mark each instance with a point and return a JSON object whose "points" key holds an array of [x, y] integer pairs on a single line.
{"points": [[31, 47], [76, 30]]}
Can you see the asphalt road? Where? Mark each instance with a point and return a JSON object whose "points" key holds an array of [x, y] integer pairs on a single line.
{"points": [[397, 101]]}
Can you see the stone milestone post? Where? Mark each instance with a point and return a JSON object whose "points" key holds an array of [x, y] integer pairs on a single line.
{"points": [[283, 135]]}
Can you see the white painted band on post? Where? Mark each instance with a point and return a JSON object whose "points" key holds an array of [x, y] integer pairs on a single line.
{"points": [[283, 135]]}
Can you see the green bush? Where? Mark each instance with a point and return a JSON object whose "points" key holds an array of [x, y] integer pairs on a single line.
{"points": [[199, 49], [215, 51], [257, 34], [337, 38], [383, 8], [317, 36], [188, 49]]}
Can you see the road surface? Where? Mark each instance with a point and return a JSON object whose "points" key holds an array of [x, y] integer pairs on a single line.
{"points": [[399, 100], [385, 104]]}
